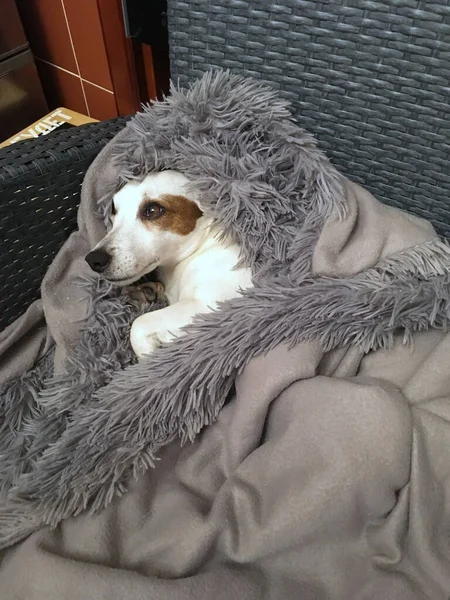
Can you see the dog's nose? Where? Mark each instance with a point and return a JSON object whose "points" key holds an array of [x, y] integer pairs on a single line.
{"points": [[98, 260]]}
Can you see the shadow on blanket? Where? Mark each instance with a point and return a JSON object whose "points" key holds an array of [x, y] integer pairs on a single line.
{"points": [[71, 439]]}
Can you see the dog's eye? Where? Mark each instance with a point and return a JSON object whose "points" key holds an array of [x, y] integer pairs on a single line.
{"points": [[152, 211]]}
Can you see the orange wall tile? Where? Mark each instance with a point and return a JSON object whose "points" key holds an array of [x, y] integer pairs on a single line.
{"points": [[87, 38], [62, 88], [66, 37], [101, 104], [46, 28]]}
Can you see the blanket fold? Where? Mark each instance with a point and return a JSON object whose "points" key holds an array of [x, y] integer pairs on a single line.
{"points": [[333, 270]]}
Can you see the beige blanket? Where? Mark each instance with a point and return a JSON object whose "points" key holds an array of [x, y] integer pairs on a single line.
{"points": [[326, 476]]}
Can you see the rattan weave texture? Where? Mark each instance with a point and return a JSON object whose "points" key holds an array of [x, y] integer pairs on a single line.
{"points": [[40, 183], [369, 78]]}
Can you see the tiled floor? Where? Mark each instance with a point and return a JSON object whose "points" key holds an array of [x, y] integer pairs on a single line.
{"points": [[67, 41]]}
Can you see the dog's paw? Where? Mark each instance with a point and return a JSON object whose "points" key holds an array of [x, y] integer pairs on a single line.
{"points": [[142, 342], [145, 293]]}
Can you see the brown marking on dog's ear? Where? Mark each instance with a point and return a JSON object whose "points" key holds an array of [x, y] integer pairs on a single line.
{"points": [[180, 214]]}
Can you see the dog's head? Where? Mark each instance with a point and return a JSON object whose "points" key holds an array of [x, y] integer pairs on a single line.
{"points": [[156, 222]]}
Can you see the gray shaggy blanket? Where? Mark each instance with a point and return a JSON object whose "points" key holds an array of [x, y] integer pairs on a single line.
{"points": [[79, 419]]}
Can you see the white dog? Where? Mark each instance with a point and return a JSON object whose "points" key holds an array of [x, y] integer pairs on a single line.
{"points": [[157, 223]]}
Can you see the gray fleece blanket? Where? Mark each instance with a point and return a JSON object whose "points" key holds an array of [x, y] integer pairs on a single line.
{"points": [[315, 404]]}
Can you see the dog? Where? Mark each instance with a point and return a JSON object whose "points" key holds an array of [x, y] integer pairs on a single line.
{"points": [[158, 224]]}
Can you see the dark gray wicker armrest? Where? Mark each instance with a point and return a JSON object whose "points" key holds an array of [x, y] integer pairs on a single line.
{"points": [[40, 183]]}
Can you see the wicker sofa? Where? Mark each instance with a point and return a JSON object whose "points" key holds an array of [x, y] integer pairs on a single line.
{"points": [[368, 77]]}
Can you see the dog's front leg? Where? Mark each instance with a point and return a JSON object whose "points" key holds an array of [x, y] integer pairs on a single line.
{"points": [[152, 329]]}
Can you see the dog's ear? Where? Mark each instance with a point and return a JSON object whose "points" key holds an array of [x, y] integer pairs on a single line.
{"points": [[193, 194], [200, 208]]}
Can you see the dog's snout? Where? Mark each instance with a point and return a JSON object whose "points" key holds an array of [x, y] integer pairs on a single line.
{"points": [[98, 260]]}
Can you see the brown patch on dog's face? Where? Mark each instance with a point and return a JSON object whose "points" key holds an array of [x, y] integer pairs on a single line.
{"points": [[173, 213]]}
